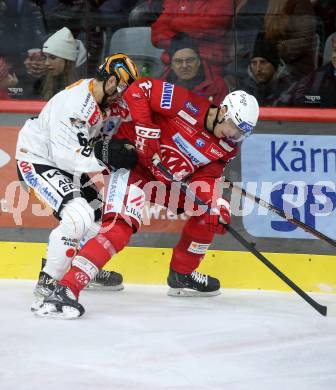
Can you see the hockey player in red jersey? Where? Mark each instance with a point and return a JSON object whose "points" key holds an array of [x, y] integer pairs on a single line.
{"points": [[194, 140]]}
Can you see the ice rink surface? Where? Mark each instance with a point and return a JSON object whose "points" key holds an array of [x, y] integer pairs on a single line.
{"points": [[142, 339]]}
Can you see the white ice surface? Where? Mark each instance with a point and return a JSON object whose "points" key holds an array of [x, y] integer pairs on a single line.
{"points": [[142, 339]]}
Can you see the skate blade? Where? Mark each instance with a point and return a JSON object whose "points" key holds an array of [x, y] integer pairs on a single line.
{"points": [[101, 287], [48, 310], [186, 292], [37, 304]]}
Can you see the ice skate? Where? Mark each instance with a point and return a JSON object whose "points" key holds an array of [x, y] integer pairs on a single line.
{"points": [[44, 288], [192, 285], [62, 303], [107, 280]]}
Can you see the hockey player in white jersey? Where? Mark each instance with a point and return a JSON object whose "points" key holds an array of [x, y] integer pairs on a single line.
{"points": [[56, 151]]}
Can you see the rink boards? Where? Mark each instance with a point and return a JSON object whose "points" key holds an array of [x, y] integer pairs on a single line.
{"points": [[235, 269], [309, 262]]}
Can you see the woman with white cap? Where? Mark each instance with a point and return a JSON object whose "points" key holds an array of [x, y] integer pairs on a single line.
{"points": [[65, 57]]}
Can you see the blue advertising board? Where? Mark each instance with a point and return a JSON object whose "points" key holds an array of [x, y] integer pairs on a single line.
{"points": [[296, 173]]}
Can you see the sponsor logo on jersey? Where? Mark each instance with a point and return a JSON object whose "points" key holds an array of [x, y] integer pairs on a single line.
{"points": [[135, 203], [187, 117], [62, 183], [185, 127], [116, 191], [185, 147], [167, 95], [94, 118], [191, 107], [40, 186], [88, 106], [86, 101], [198, 248], [110, 126], [200, 142], [77, 122], [206, 135], [146, 132], [214, 151]]}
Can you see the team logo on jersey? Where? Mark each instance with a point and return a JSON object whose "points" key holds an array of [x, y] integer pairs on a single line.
{"points": [[200, 142], [77, 122], [167, 95], [176, 162], [191, 107]]}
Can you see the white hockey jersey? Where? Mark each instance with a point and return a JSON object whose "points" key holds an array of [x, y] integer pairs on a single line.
{"points": [[63, 134]]}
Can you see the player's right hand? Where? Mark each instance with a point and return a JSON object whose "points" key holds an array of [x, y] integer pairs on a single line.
{"points": [[219, 217], [118, 153]]}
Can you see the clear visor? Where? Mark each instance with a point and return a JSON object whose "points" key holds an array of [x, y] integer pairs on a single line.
{"points": [[239, 134]]}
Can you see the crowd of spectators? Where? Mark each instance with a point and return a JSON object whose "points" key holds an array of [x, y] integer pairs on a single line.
{"points": [[274, 49]]}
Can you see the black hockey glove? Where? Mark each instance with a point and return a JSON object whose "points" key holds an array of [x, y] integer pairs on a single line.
{"points": [[118, 153]]}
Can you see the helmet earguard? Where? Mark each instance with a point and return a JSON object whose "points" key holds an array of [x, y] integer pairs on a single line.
{"points": [[242, 109], [120, 66]]}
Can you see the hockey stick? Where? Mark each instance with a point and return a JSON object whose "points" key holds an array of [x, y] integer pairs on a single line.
{"points": [[282, 214], [320, 308]]}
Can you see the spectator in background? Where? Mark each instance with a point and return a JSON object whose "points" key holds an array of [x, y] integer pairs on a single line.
{"points": [[65, 57], [325, 11], [145, 13], [7, 80], [319, 88], [209, 23], [268, 79], [190, 71], [291, 25], [249, 19], [21, 28], [92, 21]]}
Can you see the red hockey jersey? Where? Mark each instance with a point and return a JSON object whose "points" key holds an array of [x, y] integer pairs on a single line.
{"points": [[185, 144]]}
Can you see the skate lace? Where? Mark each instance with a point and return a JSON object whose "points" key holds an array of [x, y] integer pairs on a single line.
{"points": [[70, 294], [52, 282], [200, 278], [103, 274]]}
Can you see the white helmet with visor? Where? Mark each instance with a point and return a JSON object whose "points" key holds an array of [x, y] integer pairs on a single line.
{"points": [[243, 111]]}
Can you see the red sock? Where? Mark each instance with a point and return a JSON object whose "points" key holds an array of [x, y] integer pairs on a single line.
{"points": [[191, 248]]}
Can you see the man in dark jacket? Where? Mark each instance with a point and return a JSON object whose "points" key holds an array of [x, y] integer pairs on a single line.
{"points": [[267, 76], [318, 88]]}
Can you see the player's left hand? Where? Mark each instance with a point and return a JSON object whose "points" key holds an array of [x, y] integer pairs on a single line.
{"points": [[220, 216]]}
